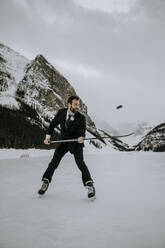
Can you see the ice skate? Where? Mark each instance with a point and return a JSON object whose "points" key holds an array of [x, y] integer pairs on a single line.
{"points": [[44, 187]]}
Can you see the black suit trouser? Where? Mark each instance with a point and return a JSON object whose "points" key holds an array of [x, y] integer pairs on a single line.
{"points": [[60, 151]]}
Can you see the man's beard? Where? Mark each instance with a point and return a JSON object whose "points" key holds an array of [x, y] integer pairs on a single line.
{"points": [[73, 110]]}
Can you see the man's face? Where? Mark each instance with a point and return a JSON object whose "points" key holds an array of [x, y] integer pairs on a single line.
{"points": [[74, 107]]}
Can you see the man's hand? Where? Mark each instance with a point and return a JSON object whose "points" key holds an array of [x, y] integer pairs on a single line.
{"points": [[80, 139], [47, 141]]}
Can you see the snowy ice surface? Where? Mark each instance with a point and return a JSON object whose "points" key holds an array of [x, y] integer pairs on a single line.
{"points": [[18, 153], [129, 211]]}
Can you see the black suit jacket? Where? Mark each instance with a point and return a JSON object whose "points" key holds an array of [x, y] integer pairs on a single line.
{"points": [[76, 128]]}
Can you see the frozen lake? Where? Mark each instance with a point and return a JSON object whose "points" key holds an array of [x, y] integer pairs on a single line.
{"points": [[129, 211]]}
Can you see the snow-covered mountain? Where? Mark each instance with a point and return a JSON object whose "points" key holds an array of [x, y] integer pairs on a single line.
{"points": [[12, 66], [146, 135], [139, 128], [47, 90], [153, 140]]}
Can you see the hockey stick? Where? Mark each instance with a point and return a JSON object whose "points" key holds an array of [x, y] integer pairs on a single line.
{"points": [[104, 137]]}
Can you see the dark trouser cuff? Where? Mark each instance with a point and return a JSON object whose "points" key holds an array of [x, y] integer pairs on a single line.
{"points": [[46, 179], [89, 181]]}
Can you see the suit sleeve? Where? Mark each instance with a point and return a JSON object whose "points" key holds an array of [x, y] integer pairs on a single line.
{"points": [[54, 123], [82, 127]]}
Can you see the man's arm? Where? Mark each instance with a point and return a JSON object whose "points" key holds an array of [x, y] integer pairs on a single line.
{"points": [[54, 123], [82, 130]]}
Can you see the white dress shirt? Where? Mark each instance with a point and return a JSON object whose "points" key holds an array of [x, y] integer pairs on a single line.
{"points": [[67, 115]]}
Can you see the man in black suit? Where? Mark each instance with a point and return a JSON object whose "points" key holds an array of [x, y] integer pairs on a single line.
{"points": [[73, 126]]}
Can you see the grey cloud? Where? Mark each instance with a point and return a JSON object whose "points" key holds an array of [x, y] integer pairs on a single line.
{"points": [[128, 49]]}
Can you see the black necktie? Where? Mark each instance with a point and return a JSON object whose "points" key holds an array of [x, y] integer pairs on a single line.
{"points": [[67, 122]]}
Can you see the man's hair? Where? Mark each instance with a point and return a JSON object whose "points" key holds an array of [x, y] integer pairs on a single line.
{"points": [[72, 98]]}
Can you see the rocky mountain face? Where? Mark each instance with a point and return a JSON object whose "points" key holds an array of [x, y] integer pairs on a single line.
{"points": [[12, 66], [153, 140], [47, 90]]}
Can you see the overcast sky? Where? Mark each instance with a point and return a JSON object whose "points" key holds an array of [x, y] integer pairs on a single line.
{"points": [[111, 51]]}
